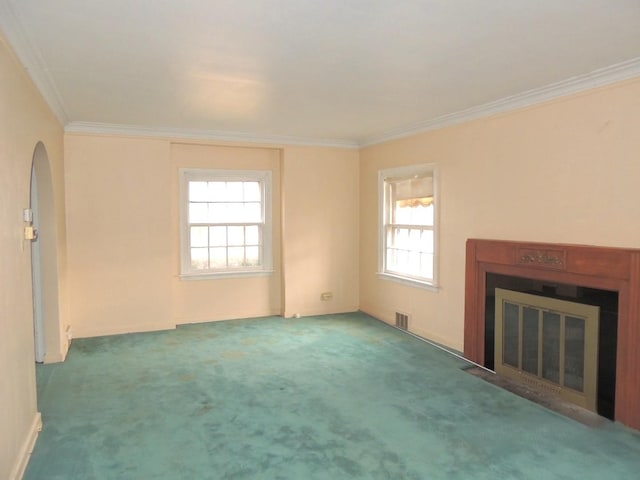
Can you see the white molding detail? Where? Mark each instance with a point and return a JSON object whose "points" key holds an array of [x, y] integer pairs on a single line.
{"points": [[213, 135], [136, 328], [598, 78], [27, 447], [56, 357], [31, 58]]}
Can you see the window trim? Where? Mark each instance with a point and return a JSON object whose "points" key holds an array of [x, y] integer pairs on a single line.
{"points": [[399, 173], [213, 174]]}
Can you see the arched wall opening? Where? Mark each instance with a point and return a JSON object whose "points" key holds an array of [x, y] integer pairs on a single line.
{"points": [[44, 254]]}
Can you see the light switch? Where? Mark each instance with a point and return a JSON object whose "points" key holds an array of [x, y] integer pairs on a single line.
{"points": [[30, 233]]}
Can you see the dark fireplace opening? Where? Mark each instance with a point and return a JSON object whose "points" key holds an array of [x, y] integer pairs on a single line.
{"points": [[607, 332]]}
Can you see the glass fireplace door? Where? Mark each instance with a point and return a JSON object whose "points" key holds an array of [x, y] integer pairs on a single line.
{"points": [[549, 343]]}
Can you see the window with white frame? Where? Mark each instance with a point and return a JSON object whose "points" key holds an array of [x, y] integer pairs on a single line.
{"points": [[226, 222], [408, 234]]}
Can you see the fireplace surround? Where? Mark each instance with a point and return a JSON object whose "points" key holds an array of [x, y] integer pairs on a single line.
{"points": [[612, 269]]}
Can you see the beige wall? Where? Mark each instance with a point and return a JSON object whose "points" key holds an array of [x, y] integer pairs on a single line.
{"points": [[119, 234], [124, 236], [565, 171], [321, 211], [25, 120]]}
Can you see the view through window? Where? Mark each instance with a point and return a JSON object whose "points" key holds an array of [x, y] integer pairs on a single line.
{"points": [[408, 236]]}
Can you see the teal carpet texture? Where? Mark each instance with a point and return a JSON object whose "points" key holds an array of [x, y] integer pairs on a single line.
{"points": [[329, 397]]}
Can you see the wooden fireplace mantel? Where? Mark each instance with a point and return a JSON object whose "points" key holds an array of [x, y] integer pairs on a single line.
{"points": [[605, 268]]}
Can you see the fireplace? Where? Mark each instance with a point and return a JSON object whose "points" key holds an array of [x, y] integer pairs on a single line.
{"points": [[611, 276], [548, 343]]}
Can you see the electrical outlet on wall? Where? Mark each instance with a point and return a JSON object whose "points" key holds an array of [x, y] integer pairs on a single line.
{"points": [[324, 296]]}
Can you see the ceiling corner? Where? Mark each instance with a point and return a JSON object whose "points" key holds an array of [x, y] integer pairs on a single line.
{"points": [[31, 59]]}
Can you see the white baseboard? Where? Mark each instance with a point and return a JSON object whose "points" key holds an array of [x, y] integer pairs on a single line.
{"points": [[120, 330], [27, 447], [55, 357]]}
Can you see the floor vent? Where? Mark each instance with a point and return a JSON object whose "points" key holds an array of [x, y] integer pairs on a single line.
{"points": [[402, 321]]}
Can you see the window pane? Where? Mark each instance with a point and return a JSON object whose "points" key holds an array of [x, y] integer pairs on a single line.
{"points": [[423, 216], [408, 215], [252, 192], [391, 259], [235, 235], [199, 258], [414, 263], [414, 239], [199, 237], [217, 236], [235, 213], [402, 215], [431, 215], [402, 238], [402, 260], [198, 192], [427, 241], [426, 265], [252, 212], [253, 256], [235, 192], [236, 256], [217, 191], [252, 235], [217, 213], [218, 257], [198, 213]]}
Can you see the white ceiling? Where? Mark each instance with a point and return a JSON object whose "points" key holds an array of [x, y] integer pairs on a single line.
{"points": [[346, 72]]}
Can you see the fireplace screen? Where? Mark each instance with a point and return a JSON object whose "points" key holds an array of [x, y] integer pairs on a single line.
{"points": [[549, 343]]}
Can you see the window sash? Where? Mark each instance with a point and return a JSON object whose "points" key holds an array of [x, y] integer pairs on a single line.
{"points": [[409, 251], [240, 250], [408, 245], [222, 243]]}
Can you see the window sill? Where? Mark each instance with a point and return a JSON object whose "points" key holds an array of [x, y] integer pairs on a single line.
{"points": [[221, 275], [411, 282]]}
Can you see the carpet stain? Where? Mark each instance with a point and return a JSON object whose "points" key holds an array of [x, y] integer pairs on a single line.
{"points": [[233, 355]]}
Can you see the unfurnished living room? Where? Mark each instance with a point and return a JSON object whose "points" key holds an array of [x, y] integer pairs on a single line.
{"points": [[304, 239]]}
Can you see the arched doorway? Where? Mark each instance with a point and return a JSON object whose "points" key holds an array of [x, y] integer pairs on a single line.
{"points": [[44, 261]]}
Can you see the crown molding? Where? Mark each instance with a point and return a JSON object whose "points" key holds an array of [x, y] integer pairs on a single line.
{"points": [[597, 78], [31, 59], [212, 135]]}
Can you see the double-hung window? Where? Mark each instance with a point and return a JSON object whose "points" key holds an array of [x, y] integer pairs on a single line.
{"points": [[226, 222], [408, 233]]}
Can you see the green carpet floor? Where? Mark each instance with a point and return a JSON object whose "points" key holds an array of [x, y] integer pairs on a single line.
{"points": [[331, 397]]}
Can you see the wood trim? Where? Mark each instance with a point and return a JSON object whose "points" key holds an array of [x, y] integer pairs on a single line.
{"points": [[628, 357], [473, 325], [606, 268]]}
